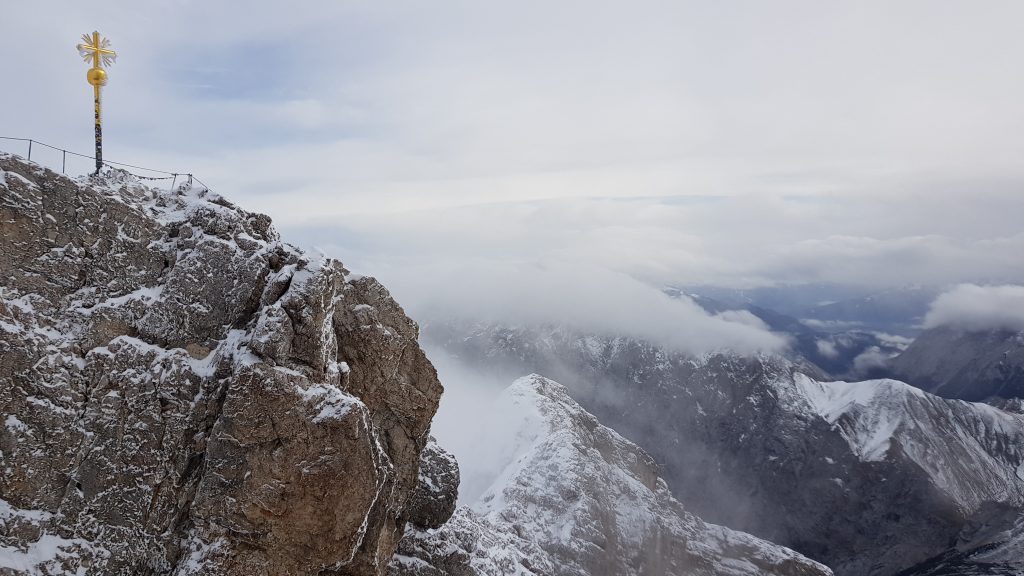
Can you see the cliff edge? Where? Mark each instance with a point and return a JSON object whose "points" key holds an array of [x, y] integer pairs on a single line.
{"points": [[183, 393]]}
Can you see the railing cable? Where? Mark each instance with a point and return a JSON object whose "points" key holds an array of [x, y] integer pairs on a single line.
{"points": [[172, 176]]}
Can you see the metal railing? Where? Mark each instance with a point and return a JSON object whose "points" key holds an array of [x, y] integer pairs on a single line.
{"points": [[173, 176]]}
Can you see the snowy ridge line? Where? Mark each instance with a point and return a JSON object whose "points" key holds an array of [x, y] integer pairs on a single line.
{"points": [[876, 417], [575, 497]]}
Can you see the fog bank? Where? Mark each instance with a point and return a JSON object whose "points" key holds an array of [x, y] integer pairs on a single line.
{"points": [[979, 308]]}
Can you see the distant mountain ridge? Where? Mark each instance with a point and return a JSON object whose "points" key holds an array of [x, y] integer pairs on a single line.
{"points": [[749, 443], [893, 310], [971, 365], [576, 499], [849, 353], [847, 338]]}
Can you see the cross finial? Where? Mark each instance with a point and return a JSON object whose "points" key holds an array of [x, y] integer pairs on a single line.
{"points": [[97, 49]]}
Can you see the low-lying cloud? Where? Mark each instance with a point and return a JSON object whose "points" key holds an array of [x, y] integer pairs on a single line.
{"points": [[589, 299], [738, 242], [827, 349], [979, 308], [473, 425], [873, 358]]}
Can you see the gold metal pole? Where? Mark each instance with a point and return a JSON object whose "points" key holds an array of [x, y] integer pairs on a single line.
{"points": [[96, 101]]}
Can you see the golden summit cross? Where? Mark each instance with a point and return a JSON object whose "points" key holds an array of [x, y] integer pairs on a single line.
{"points": [[97, 49]]}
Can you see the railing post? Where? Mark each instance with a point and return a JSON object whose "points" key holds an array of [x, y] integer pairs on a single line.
{"points": [[30, 150], [64, 161]]}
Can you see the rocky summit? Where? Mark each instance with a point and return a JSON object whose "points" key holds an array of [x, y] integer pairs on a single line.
{"points": [[183, 393]]}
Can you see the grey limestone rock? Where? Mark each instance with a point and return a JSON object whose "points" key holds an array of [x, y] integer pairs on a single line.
{"points": [[183, 393], [433, 501]]}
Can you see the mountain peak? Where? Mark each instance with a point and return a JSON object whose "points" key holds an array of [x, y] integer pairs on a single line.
{"points": [[576, 498], [180, 390]]}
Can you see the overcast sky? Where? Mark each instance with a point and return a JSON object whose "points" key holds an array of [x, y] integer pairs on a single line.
{"points": [[737, 143]]}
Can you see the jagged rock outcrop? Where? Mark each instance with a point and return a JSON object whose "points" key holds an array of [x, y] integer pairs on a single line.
{"points": [[868, 478], [182, 393], [433, 501], [577, 499], [973, 365]]}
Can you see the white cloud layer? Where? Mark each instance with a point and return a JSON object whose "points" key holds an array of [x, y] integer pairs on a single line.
{"points": [[874, 240], [591, 299], [979, 308]]}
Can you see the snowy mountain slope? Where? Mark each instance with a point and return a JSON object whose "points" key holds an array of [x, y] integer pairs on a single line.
{"points": [[746, 442], [576, 498], [975, 440]]}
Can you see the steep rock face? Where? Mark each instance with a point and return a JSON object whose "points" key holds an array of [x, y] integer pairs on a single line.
{"points": [[183, 393], [991, 544], [969, 365], [575, 498], [745, 442]]}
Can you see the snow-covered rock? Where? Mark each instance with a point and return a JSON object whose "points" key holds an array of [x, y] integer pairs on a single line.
{"points": [[956, 443], [575, 498], [183, 393], [437, 489]]}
